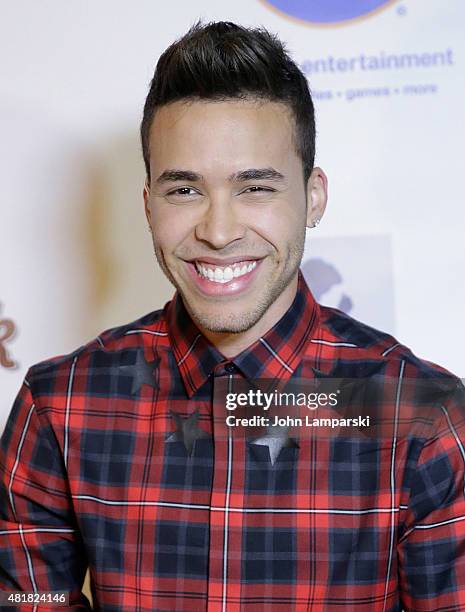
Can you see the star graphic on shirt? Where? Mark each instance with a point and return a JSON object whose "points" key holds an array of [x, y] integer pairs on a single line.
{"points": [[142, 372], [187, 430], [276, 438]]}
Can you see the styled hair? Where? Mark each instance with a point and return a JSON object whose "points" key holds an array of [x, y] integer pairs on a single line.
{"points": [[222, 61]]}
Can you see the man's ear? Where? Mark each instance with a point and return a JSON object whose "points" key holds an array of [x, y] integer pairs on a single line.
{"points": [[317, 196], [146, 195]]}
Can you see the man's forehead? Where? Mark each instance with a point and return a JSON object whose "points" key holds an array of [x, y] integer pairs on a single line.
{"points": [[235, 137], [176, 114]]}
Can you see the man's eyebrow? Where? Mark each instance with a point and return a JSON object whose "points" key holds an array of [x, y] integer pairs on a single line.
{"points": [[257, 174], [251, 174], [172, 175]]}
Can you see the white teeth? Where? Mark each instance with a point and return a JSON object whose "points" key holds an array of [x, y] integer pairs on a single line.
{"points": [[224, 275]]}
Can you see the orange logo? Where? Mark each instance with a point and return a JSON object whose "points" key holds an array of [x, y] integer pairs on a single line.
{"points": [[7, 330]]}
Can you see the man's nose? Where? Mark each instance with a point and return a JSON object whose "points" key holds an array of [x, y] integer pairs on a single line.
{"points": [[220, 225]]}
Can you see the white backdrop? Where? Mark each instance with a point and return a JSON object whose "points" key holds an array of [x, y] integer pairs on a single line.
{"points": [[75, 255]]}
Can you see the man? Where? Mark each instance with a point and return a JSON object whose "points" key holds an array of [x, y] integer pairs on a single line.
{"points": [[119, 456]]}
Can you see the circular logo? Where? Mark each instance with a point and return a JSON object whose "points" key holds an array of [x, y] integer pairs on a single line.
{"points": [[326, 12]]}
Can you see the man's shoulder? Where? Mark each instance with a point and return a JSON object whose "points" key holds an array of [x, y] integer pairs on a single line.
{"points": [[150, 328], [371, 344]]}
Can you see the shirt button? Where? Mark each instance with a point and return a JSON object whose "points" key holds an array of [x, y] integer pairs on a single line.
{"points": [[230, 368]]}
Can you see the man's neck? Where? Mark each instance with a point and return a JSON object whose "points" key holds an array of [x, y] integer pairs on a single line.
{"points": [[231, 344]]}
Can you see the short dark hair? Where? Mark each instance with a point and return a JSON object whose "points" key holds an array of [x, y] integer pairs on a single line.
{"points": [[222, 60]]}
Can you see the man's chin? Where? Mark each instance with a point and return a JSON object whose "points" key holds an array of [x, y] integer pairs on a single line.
{"points": [[221, 324]]}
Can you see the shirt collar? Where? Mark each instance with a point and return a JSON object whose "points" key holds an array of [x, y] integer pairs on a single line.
{"points": [[275, 355]]}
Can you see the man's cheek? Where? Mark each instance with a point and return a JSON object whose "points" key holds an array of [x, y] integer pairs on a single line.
{"points": [[161, 240]]}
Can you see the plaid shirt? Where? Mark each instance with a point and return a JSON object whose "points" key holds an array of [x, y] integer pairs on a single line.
{"points": [[112, 458]]}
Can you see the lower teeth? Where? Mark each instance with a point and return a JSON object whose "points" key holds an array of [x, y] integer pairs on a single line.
{"points": [[217, 280], [222, 280]]}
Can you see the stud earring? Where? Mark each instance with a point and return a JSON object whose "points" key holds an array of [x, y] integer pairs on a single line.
{"points": [[315, 223]]}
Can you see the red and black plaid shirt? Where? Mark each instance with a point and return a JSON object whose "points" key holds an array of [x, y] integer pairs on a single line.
{"points": [[113, 458]]}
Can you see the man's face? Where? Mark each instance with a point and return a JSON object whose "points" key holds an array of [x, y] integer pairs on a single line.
{"points": [[227, 208]]}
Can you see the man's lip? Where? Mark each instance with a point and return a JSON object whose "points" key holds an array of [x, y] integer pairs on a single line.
{"points": [[224, 261], [233, 287]]}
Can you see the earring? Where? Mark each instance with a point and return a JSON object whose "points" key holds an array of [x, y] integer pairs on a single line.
{"points": [[315, 223]]}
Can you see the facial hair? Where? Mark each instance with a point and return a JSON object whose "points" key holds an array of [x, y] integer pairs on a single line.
{"points": [[239, 323]]}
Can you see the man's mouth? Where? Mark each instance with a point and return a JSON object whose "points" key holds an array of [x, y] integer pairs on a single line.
{"points": [[224, 274], [227, 277]]}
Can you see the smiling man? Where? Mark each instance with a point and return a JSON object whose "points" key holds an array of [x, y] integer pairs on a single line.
{"points": [[228, 204], [118, 456]]}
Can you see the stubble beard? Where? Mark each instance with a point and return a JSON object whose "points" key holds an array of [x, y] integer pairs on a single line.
{"points": [[238, 323]]}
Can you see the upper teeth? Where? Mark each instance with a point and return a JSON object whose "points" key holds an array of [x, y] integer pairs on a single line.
{"points": [[224, 275]]}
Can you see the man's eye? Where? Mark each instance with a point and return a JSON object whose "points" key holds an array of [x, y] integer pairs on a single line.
{"points": [[182, 191], [257, 189]]}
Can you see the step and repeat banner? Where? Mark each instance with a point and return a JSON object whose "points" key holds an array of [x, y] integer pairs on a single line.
{"points": [[388, 83]]}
